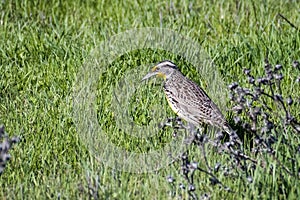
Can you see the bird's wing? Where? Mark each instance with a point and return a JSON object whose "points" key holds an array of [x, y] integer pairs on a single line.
{"points": [[197, 103]]}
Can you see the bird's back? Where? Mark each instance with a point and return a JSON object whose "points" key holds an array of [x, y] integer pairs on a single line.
{"points": [[191, 103]]}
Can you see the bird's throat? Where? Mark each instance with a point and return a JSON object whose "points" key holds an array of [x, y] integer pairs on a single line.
{"points": [[161, 75]]}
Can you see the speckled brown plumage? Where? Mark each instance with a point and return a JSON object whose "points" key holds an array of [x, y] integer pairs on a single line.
{"points": [[187, 99], [191, 103]]}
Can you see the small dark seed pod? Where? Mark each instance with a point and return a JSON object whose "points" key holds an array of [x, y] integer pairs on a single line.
{"points": [[278, 76], [247, 71], [233, 86], [278, 67], [289, 101]]}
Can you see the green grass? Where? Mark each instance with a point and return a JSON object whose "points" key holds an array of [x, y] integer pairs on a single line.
{"points": [[43, 47]]}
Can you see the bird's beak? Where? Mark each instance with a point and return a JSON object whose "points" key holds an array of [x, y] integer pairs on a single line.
{"points": [[149, 75]]}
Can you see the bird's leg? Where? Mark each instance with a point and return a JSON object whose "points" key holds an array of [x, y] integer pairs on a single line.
{"points": [[192, 128], [192, 131], [200, 139], [197, 135]]}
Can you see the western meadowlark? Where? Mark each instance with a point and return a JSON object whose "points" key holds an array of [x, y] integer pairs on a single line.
{"points": [[187, 99]]}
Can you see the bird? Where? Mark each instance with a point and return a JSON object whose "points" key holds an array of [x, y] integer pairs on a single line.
{"points": [[188, 100]]}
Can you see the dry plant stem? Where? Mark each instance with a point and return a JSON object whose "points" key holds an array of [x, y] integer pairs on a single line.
{"points": [[288, 21]]}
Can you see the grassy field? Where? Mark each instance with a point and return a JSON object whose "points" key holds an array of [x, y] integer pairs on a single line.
{"points": [[43, 47]]}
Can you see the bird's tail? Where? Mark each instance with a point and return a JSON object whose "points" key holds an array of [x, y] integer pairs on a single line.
{"points": [[232, 134]]}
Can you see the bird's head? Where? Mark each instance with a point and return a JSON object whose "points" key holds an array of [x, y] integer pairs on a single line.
{"points": [[163, 69]]}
